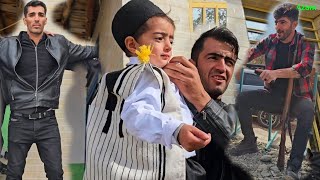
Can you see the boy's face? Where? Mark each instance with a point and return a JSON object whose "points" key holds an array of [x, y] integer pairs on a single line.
{"points": [[160, 35]]}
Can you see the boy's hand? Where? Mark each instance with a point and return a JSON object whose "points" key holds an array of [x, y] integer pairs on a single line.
{"points": [[192, 138]]}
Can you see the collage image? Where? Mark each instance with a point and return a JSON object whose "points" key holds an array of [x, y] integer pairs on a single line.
{"points": [[159, 89]]}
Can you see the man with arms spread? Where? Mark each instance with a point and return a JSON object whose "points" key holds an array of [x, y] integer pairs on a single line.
{"points": [[31, 70], [279, 50]]}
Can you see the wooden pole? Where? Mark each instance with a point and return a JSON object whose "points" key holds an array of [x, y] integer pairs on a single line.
{"points": [[284, 120]]}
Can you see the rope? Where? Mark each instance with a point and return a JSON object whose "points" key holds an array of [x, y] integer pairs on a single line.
{"points": [[10, 25]]}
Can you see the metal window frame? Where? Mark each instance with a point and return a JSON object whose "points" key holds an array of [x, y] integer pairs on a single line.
{"points": [[203, 4]]}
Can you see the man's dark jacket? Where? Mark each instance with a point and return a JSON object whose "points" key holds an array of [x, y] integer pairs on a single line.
{"points": [[20, 94], [217, 119]]}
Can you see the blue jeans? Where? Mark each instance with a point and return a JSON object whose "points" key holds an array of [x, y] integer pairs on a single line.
{"points": [[301, 108], [44, 132]]}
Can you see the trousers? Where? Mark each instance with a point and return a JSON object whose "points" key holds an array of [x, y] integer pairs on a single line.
{"points": [[44, 132], [300, 107]]}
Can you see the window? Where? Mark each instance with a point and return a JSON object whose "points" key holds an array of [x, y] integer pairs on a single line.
{"points": [[255, 36], [256, 22], [256, 25], [208, 13], [222, 16], [309, 34], [306, 24], [255, 13], [308, 29], [255, 30]]}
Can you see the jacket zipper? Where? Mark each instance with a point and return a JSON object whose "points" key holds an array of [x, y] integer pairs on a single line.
{"points": [[21, 79], [37, 73], [204, 115]]}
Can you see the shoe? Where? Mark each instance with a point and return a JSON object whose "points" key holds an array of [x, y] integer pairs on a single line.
{"points": [[246, 146], [3, 168], [291, 175]]}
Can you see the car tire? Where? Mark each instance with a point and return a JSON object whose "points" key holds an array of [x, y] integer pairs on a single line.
{"points": [[262, 119]]}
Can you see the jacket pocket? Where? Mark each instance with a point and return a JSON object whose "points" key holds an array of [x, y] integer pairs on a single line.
{"points": [[15, 121]]}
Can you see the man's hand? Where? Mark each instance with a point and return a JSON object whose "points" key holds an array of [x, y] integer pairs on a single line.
{"points": [[192, 138], [250, 52], [185, 75], [267, 75], [49, 33]]}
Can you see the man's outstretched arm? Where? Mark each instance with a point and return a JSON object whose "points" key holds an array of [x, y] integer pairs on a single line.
{"points": [[78, 52]]}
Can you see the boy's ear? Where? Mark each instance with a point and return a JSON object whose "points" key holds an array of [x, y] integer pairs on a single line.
{"points": [[131, 44]]}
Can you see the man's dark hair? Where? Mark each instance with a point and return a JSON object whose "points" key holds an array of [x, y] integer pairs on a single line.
{"points": [[218, 33], [34, 3], [286, 10]]}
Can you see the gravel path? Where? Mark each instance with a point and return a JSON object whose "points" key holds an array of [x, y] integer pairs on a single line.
{"points": [[263, 165]]}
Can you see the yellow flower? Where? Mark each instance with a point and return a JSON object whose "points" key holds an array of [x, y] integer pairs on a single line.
{"points": [[144, 53]]}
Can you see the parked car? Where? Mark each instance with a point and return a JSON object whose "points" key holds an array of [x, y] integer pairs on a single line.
{"points": [[252, 81]]}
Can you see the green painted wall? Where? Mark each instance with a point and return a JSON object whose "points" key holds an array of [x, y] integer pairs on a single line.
{"points": [[4, 128], [77, 171]]}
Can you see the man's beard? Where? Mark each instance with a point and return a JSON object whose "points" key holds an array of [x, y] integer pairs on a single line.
{"points": [[286, 33], [215, 93], [37, 32]]}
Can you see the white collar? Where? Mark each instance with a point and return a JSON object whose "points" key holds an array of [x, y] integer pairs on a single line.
{"points": [[133, 60]]}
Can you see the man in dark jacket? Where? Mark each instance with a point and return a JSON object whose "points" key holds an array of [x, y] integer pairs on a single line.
{"points": [[202, 81], [31, 70]]}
